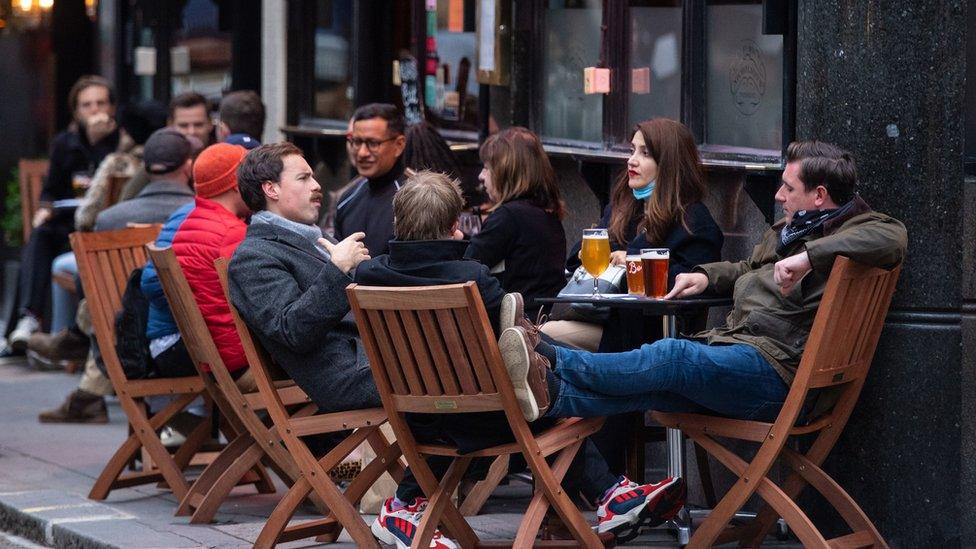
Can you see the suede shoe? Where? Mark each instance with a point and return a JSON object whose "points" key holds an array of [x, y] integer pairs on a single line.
{"points": [[527, 369], [80, 407], [63, 349], [513, 314]]}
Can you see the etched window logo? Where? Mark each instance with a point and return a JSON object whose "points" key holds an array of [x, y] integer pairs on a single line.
{"points": [[747, 78]]}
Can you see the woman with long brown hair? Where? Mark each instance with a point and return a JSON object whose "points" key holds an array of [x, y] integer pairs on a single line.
{"points": [[657, 203], [522, 241]]}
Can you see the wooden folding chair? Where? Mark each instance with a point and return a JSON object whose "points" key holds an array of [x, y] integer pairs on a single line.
{"points": [[433, 351], [31, 173], [240, 462], [315, 478], [836, 360], [105, 261]]}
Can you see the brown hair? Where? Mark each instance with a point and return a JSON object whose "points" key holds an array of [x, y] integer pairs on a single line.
{"points": [[264, 163], [83, 84], [243, 112], [825, 164], [426, 207], [680, 183], [186, 100], [520, 168]]}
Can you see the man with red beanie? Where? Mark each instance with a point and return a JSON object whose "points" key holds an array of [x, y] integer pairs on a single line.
{"points": [[211, 227]]}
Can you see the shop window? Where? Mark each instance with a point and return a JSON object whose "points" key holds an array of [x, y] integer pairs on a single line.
{"points": [[655, 60], [332, 81], [201, 54], [451, 88], [744, 78], [572, 43]]}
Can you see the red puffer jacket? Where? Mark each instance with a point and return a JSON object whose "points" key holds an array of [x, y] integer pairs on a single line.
{"points": [[211, 231]]}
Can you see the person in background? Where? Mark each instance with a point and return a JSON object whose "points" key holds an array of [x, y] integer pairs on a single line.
{"points": [[657, 203], [189, 114], [241, 119], [75, 154], [377, 140], [522, 241], [66, 343]]}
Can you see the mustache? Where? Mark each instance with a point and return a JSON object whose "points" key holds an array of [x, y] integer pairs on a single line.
{"points": [[316, 196]]}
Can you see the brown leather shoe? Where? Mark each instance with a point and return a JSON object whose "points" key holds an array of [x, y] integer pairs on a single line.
{"points": [[527, 369], [65, 349], [79, 407], [513, 314]]}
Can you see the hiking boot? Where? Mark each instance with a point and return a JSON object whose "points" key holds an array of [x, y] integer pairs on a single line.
{"points": [[26, 326], [630, 506], [527, 369], [513, 314], [80, 407], [399, 527], [66, 348]]}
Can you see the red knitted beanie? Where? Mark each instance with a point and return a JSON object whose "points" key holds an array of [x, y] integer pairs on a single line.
{"points": [[215, 170]]}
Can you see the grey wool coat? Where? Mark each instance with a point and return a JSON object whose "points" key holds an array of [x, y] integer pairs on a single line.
{"points": [[294, 299], [153, 205]]}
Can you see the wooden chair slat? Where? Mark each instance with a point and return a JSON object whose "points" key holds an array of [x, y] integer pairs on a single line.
{"points": [[31, 178], [396, 377], [456, 350], [415, 383], [438, 352], [421, 355], [478, 361]]}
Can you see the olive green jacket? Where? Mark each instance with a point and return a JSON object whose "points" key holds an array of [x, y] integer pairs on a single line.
{"points": [[778, 325]]}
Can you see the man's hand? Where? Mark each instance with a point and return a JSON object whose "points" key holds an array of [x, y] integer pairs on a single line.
{"points": [[41, 216], [98, 127], [687, 285], [618, 257], [349, 253], [788, 272]]}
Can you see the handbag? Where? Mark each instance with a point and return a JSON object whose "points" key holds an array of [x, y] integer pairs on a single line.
{"points": [[581, 283]]}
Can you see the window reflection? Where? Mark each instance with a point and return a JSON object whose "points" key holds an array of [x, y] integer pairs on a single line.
{"points": [[333, 97], [572, 43], [201, 52], [744, 98], [655, 60], [455, 96]]}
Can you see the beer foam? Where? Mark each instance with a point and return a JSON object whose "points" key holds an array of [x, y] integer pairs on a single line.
{"points": [[596, 237]]}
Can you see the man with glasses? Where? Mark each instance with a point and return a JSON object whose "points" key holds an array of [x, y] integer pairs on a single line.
{"points": [[376, 143]]}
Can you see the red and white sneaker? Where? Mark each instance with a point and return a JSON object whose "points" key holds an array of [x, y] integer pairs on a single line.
{"points": [[399, 527], [631, 506]]}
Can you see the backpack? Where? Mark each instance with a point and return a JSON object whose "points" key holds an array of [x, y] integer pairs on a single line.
{"points": [[131, 343]]}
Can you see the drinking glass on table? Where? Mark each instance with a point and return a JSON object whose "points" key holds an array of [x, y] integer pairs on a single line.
{"points": [[635, 275], [655, 262], [595, 255]]}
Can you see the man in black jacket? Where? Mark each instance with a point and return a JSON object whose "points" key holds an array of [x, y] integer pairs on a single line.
{"points": [[376, 142], [75, 154]]}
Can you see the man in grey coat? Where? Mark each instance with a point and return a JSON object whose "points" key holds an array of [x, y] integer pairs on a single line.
{"points": [[289, 283]]}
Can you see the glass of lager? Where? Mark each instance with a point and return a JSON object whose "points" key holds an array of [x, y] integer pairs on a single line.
{"points": [[635, 275], [655, 264], [595, 255]]}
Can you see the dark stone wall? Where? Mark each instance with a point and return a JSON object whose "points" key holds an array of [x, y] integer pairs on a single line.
{"points": [[886, 80]]}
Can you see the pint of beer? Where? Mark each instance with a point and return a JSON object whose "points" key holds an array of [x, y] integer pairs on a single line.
{"points": [[635, 275], [595, 255], [655, 264]]}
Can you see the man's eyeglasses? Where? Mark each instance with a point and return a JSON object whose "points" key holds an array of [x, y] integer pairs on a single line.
{"points": [[372, 144]]}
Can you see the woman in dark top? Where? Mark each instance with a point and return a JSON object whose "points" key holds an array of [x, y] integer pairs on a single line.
{"points": [[522, 241], [655, 204]]}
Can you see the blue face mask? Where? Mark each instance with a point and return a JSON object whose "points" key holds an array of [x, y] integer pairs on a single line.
{"points": [[644, 192]]}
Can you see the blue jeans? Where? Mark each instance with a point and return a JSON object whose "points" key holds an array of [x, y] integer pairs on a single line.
{"points": [[670, 375], [64, 304]]}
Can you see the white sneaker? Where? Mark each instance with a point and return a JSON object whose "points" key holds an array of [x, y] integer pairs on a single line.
{"points": [[26, 326], [400, 526]]}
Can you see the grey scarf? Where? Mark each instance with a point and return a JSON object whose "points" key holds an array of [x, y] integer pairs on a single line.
{"points": [[310, 232]]}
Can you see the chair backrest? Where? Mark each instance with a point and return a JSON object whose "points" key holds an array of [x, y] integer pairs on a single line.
{"points": [[32, 173], [848, 324], [105, 261], [431, 348]]}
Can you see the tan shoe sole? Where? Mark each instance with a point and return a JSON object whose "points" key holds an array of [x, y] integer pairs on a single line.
{"points": [[515, 354]]}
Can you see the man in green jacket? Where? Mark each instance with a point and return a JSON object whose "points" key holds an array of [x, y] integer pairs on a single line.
{"points": [[743, 369]]}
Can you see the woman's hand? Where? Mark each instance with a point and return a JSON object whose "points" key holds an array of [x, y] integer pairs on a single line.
{"points": [[618, 258]]}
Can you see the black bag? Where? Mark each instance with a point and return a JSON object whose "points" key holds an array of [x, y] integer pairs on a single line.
{"points": [[131, 343]]}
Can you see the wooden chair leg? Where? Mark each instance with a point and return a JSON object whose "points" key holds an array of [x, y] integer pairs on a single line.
{"points": [[213, 498], [274, 528], [452, 522], [212, 474], [440, 500], [476, 498], [705, 474], [539, 504]]}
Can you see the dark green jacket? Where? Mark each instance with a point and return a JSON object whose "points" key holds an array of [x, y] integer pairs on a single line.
{"points": [[778, 325]]}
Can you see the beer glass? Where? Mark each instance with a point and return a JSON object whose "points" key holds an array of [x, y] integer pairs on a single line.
{"points": [[595, 255], [635, 275], [655, 264]]}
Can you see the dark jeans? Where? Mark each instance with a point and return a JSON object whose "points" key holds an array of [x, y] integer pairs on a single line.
{"points": [[174, 362], [46, 242]]}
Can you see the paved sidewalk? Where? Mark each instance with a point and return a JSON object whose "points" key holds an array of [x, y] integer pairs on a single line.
{"points": [[46, 471]]}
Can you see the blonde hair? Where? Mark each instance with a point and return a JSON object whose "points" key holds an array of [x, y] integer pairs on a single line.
{"points": [[426, 207], [520, 168]]}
